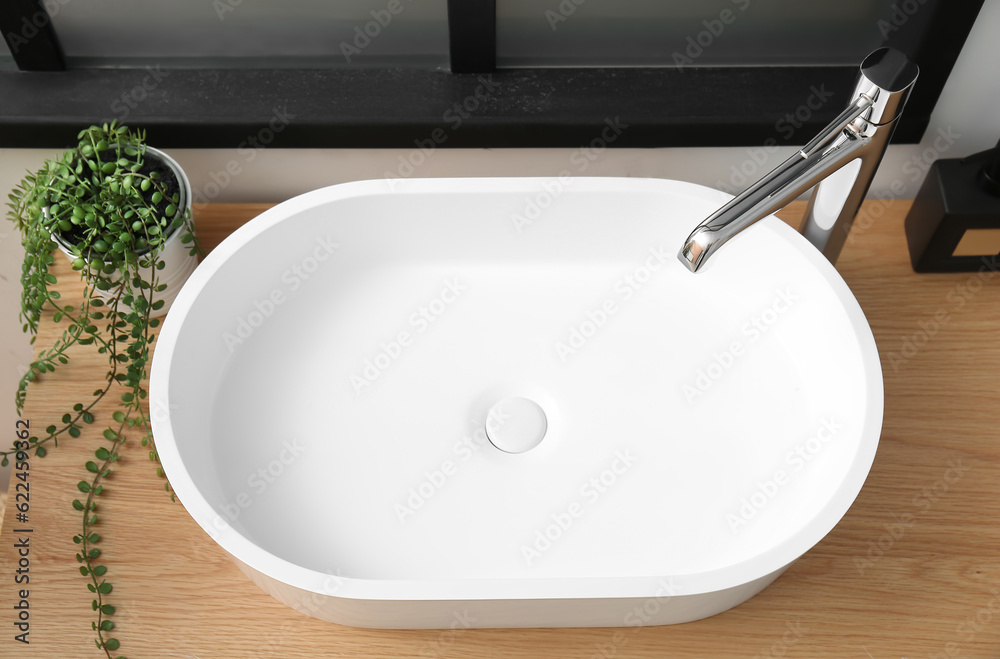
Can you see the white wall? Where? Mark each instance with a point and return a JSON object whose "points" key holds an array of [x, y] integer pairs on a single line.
{"points": [[968, 112]]}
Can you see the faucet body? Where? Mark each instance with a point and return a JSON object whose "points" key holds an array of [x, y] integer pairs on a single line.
{"points": [[840, 163]]}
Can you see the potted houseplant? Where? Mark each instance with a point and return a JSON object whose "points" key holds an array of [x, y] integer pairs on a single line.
{"points": [[121, 212]]}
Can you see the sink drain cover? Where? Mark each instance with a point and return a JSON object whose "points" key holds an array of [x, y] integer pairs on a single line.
{"points": [[516, 424]]}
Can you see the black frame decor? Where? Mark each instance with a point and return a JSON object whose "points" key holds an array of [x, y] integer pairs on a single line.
{"points": [[44, 103]]}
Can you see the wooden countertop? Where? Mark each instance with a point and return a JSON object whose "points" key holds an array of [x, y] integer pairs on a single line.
{"points": [[913, 569]]}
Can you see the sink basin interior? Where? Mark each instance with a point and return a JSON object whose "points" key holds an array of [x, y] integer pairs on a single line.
{"points": [[331, 383]]}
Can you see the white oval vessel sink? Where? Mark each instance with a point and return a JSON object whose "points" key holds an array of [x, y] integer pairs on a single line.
{"points": [[505, 403]]}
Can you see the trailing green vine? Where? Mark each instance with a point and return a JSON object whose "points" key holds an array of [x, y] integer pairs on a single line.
{"points": [[112, 209]]}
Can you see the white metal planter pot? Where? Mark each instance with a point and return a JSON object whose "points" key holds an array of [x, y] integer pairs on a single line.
{"points": [[179, 263]]}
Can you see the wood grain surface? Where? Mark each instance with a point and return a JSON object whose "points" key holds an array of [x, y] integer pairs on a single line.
{"points": [[913, 569]]}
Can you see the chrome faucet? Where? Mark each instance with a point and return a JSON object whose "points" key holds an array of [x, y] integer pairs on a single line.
{"points": [[840, 162]]}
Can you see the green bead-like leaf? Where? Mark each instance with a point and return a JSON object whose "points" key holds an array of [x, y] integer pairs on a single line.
{"points": [[83, 486], [105, 588]]}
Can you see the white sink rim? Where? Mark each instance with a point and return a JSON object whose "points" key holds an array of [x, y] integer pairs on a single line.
{"points": [[248, 553]]}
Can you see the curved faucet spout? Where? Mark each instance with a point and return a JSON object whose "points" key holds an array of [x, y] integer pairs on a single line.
{"points": [[858, 135]]}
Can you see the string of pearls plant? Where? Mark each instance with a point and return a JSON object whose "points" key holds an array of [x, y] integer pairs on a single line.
{"points": [[111, 206]]}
